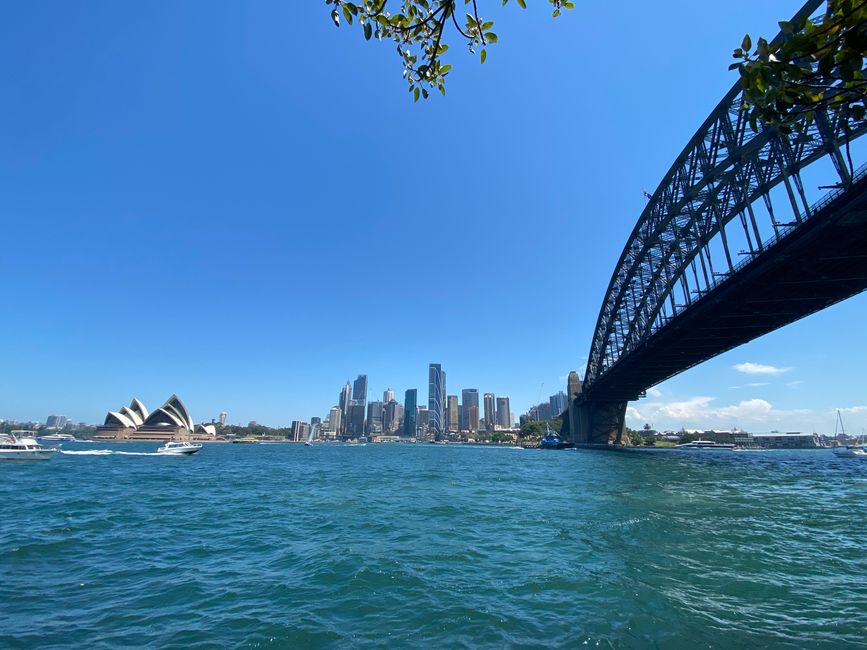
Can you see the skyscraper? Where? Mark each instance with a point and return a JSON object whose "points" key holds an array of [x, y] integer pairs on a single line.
{"points": [[387, 396], [355, 424], [391, 416], [343, 403], [470, 409], [435, 400], [504, 418], [374, 417], [558, 403], [223, 417], [410, 406], [453, 422], [335, 417], [490, 418], [359, 389]]}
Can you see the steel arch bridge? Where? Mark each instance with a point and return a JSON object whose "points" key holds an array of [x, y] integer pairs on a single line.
{"points": [[728, 248]]}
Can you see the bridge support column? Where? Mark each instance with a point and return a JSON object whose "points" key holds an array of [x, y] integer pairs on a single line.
{"points": [[597, 423]]}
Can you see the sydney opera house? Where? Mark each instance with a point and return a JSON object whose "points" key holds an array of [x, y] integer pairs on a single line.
{"points": [[171, 421]]}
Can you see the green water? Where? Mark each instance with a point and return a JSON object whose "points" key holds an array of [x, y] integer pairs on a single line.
{"points": [[429, 546]]}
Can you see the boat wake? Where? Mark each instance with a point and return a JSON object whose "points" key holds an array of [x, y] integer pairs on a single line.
{"points": [[108, 452]]}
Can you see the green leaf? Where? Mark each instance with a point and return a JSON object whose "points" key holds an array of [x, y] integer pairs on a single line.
{"points": [[484, 55], [747, 43]]}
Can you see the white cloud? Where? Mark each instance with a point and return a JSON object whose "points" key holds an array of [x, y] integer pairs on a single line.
{"points": [[793, 384], [654, 393], [750, 368], [700, 411], [853, 410]]}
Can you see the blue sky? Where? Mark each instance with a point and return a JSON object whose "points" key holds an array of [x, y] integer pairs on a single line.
{"points": [[240, 204]]}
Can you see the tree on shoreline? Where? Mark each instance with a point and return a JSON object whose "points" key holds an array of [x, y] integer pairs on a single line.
{"points": [[418, 27]]}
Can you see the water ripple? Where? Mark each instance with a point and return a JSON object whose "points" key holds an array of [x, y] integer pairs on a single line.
{"points": [[432, 546]]}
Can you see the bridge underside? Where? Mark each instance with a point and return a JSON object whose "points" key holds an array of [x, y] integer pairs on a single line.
{"points": [[819, 263]]}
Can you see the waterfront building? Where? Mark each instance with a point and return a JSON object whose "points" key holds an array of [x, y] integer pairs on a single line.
{"points": [[374, 417], [435, 400], [391, 416], [223, 417], [452, 414], [423, 419], [169, 422], [490, 420], [297, 429], [503, 415], [355, 423], [344, 402], [335, 417], [470, 410], [410, 413]]}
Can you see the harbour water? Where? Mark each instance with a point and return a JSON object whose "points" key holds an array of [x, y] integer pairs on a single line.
{"points": [[252, 546]]}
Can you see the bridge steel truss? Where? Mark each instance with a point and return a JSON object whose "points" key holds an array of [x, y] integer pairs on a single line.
{"points": [[679, 250]]}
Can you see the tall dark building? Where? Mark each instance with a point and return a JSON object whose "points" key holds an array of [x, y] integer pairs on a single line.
{"points": [[359, 389], [436, 400], [490, 418], [558, 403], [343, 404], [374, 417], [470, 411], [504, 418], [410, 408], [355, 424]]}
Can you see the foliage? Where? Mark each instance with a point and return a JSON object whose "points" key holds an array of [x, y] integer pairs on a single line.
{"points": [[635, 438], [538, 428], [813, 65], [418, 27], [500, 436]]}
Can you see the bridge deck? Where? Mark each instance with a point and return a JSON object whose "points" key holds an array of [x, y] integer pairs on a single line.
{"points": [[819, 263]]}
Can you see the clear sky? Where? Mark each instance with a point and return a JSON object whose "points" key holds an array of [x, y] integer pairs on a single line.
{"points": [[238, 203]]}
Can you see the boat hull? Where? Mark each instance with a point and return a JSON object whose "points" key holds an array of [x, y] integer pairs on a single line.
{"points": [[27, 454]]}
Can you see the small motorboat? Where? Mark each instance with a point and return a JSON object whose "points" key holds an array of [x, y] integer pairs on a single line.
{"points": [[176, 448], [14, 448]]}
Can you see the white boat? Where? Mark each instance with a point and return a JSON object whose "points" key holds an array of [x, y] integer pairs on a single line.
{"points": [[847, 451], [314, 432], [13, 448], [706, 444], [58, 437], [175, 448]]}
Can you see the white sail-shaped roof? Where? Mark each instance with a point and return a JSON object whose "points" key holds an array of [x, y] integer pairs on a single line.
{"points": [[132, 415], [139, 408], [115, 419], [165, 416], [174, 402]]}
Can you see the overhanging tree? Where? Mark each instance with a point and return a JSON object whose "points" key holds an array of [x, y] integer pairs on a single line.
{"points": [[813, 64], [418, 28]]}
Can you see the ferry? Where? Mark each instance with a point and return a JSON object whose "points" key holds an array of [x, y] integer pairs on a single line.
{"points": [[14, 448], [58, 437], [706, 444]]}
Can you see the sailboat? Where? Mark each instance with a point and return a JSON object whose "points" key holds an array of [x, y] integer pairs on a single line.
{"points": [[849, 451], [314, 430]]}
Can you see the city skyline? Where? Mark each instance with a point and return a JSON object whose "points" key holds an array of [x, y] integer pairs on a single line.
{"points": [[124, 148]]}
